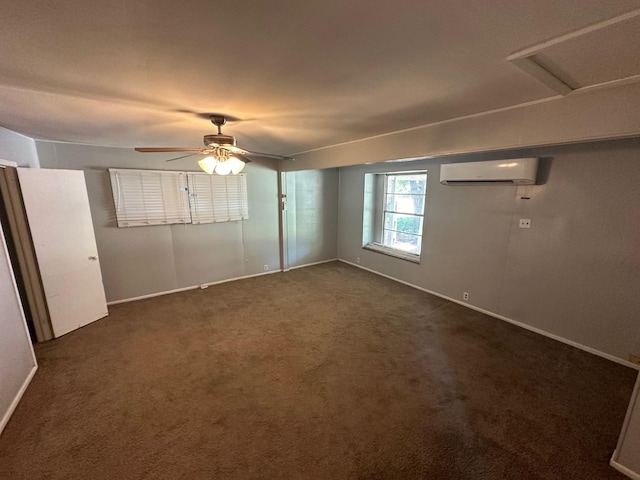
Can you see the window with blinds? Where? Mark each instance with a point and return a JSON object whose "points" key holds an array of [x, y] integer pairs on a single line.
{"points": [[215, 198], [150, 197], [161, 197]]}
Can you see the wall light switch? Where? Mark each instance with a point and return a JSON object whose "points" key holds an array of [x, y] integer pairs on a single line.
{"points": [[525, 223]]}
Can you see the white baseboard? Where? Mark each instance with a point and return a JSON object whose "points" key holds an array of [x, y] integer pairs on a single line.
{"points": [[310, 264], [204, 285], [608, 356], [16, 400], [193, 287], [623, 469]]}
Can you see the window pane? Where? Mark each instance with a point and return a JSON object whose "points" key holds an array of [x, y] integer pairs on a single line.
{"points": [[403, 223], [415, 184], [405, 203], [402, 241]]}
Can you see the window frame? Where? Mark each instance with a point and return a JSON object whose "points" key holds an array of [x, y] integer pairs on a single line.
{"points": [[375, 207]]}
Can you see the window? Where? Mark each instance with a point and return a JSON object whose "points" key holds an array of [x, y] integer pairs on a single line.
{"points": [[148, 197], [151, 197], [393, 219], [216, 198]]}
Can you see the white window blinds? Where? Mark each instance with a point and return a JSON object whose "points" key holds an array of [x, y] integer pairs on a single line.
{"points": [[160, 197], [150, 197], [215, 198]]}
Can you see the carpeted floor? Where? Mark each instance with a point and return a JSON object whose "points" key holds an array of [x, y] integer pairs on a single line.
{"points": [[327, 372]]}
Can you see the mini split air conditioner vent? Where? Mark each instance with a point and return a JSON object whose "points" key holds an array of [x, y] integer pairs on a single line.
{"points": [[518, 171]]}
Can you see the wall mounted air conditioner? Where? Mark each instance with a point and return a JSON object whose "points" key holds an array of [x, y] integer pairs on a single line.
{"points": [[516, 171]]}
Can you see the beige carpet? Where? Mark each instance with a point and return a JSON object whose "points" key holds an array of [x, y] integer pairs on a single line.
{"points": [[327, 372]]}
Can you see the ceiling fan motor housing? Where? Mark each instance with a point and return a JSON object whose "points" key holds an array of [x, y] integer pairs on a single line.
{"points": [[219, 140]]}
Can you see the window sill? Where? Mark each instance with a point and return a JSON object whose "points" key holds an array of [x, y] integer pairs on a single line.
{"points": [[409, 257]]}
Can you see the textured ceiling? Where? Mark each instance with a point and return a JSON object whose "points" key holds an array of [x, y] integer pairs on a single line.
{"points": [[298, 75]]}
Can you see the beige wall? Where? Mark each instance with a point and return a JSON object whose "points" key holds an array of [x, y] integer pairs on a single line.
{"points": [[574, 274]]}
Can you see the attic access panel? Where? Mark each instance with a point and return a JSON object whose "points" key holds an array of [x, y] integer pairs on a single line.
{"points": [[595, 55]]}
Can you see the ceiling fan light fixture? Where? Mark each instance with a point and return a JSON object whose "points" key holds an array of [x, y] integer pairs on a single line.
{"points": [[208, 164], [221, 152], [219, 140], [236, 165], [223, 168]]}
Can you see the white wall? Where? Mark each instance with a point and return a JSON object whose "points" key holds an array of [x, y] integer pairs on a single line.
{"points": [[141, 261], [312, 216], [574, 274], [18, 148], [17, 362]]}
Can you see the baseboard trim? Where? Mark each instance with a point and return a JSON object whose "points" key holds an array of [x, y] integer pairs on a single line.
{"points": [[623, 469], [539, 331], [193, 287], [16, 400], [310, 264]]}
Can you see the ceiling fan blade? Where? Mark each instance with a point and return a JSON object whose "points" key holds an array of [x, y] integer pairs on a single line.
{"points": [[235, 150], [167, 149], [270, 155], [184, 156]]}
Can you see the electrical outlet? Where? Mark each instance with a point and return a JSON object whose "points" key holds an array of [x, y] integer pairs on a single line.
{"points": [[266, 267], [358, 260], [465, 295], [525, 223]]}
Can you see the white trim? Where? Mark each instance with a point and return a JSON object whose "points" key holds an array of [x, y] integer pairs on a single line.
{"points": [[184, 289], [622, 468], [8, 163], [310, 264], [17, 398], [439, 122], [617, 82], [608, 356], [392, 252], [625, 427]]}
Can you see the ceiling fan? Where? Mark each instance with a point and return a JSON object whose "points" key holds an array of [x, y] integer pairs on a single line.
{"points": [[222, 155]]}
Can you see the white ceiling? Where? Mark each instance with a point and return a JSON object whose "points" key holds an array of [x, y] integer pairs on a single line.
{"points": [[300, 75]]}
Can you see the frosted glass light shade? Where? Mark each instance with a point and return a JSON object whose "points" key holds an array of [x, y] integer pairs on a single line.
{"points": [[208, 164], [223, 168], [236, 164]]}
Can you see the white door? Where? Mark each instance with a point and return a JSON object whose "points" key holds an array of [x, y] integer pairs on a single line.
{"points": [[59, 217]]}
